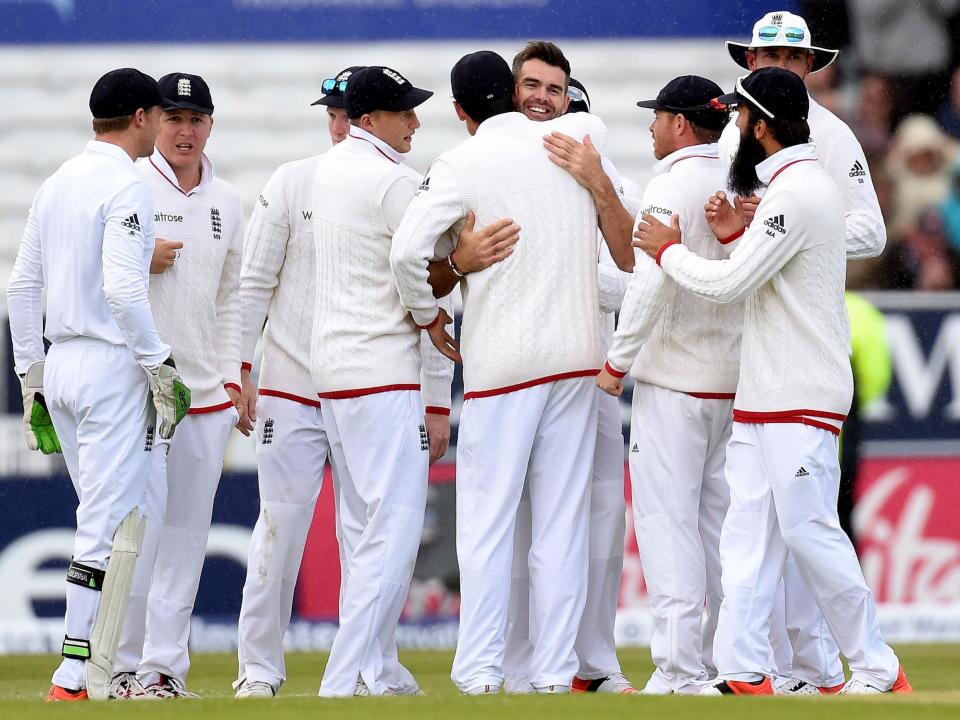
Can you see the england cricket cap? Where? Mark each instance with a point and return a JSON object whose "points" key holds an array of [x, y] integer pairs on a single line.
{"points": [[122, 92], [482, 81], [333, 88], [381, 88], [579, 99], [186, 92], [693, 97], [781, 29], [775, 92]]}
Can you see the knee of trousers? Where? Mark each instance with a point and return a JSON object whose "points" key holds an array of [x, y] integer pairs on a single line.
{"points": [[278, 540]]}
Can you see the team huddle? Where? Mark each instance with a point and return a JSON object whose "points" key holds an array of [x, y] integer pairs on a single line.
{"points": [[726, 276]]}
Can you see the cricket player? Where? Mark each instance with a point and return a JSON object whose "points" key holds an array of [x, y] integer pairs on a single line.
{"points": [[683, 352], [793, 393], [530, 338], [365, 363], [807, 657], [201, 211], [88, 241], [540, 70], [277, 285]]}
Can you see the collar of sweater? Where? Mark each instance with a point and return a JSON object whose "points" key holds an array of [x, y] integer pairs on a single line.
{"points": [[769, 168], [106, 148], [707, 150], [361, 134], [161, 165]]}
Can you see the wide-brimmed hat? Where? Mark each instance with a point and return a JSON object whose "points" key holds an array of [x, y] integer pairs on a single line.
{"points": [[781, 29]]}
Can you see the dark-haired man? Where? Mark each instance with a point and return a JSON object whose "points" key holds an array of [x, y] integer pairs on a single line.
{"points": [[88, 240], [683, 353], [365, 363], [530, 339], [807, 657], [793, 393]]}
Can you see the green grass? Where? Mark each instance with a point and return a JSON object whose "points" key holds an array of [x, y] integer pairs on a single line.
{"points": [[934, 671]]}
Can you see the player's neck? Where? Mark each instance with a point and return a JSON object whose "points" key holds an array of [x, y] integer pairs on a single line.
{"points": [[124, 141], [189, 177]]}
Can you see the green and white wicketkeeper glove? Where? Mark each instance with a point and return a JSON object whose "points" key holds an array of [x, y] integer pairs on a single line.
{"points": [[37, 425], [171, 397]]}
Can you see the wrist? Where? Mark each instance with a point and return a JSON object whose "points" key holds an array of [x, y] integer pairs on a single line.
{"points": [[452, 264], [732, 236], [613, 371]]}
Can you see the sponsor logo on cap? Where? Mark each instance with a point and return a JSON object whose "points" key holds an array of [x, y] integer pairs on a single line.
{"points": [[395, 76]]}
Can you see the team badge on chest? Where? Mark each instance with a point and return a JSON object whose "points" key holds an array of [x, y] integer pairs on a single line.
{"points": [[216, 225]]}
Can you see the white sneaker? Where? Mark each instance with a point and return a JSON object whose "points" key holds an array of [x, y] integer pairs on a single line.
{"points": [[254, 688], [125, 686], [483, 690], [361, 690], [858, 687], [169, 687], [552, 689], [794, 686], [616, 683]]}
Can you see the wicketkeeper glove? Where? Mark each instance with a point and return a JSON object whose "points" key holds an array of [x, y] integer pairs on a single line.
{"points": [[171, 397], [37, 425]]}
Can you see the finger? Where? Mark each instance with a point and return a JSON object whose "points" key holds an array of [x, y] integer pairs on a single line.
{"points": [[498, 227], [507, 236], [450, 341], [675, 222], [588, 142], [470, 221], [174, 244], [737, 204]]}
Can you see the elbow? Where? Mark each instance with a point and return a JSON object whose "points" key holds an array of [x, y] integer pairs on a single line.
{"points": [[626, 262]]}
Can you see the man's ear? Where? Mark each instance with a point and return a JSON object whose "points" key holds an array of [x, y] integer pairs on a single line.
{"points": [[461, 114], [760, 129], [366, 122], [751, 56]]}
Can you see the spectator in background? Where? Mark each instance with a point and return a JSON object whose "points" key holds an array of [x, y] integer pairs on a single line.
{"points": [[825, 87], [909, 43], [923, 259], [950, 210], [919, 165], [872, 371], [871, 119], [949, 112]]}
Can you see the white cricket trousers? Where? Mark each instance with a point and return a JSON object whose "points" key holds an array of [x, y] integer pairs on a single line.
{"points": [[595, 645], [784, 480], [380, 454], [291, 453], [545, 436], [184, 477], [803, 647], [677, 453], [98, 397]]}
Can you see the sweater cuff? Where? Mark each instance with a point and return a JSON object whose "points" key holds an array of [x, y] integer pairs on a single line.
{"points": [[434, 410], [664, 248], [422, 319], [232, 385], [613, 371], [246, 366], [732, 236]]}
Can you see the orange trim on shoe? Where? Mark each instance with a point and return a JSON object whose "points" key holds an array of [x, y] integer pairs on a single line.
{"points": [[901, 684], [740, 687], [579, 685], [61, 694], [830, 689]]}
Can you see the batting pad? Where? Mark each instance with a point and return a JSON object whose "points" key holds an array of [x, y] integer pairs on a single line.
{"points": [[113, 605]]}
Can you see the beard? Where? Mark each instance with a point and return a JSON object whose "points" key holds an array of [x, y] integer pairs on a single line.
{"points": [[743, 179]]}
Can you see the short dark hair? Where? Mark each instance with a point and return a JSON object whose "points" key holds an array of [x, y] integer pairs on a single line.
{"points": [[494, 107], [114, 124], [707, 136], [786, 132], [543, 50]]}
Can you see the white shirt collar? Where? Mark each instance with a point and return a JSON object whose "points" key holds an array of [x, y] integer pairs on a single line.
{"points": [[360, 134], [502, 119], [163, 167], [106, 148], [709, 150], [780, 159]]}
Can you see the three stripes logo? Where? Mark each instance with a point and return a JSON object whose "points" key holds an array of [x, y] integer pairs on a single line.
{"points": [[132, 224], [802, 472], [424, 186], [776, 223], [267, 437], [858, 171]]}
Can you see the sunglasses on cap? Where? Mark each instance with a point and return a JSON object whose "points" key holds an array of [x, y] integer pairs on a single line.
{"points": [[769, 33], [331, 84], [577, 95]]}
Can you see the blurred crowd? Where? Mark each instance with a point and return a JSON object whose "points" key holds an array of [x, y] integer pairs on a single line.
{"points": [[897, 84]]}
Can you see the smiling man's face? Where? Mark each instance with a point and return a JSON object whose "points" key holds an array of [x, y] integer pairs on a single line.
{"points": [[541, 92]]}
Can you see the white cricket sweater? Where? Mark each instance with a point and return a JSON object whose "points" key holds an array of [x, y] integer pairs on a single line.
{"points": [[666, 335], [790, 267], [196, 302], [363, 340], [88, 240], [840, 154], [278, 287], [531, 318]]}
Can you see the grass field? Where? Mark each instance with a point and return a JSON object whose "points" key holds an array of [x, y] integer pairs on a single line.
{"points": [[934, 671]]}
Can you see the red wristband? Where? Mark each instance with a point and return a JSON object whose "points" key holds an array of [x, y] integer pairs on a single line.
{"points": [[613, 371], [731, 237], [660, 252]]}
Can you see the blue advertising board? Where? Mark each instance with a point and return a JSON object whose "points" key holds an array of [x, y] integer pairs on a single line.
{"points": [[126, 21]]}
